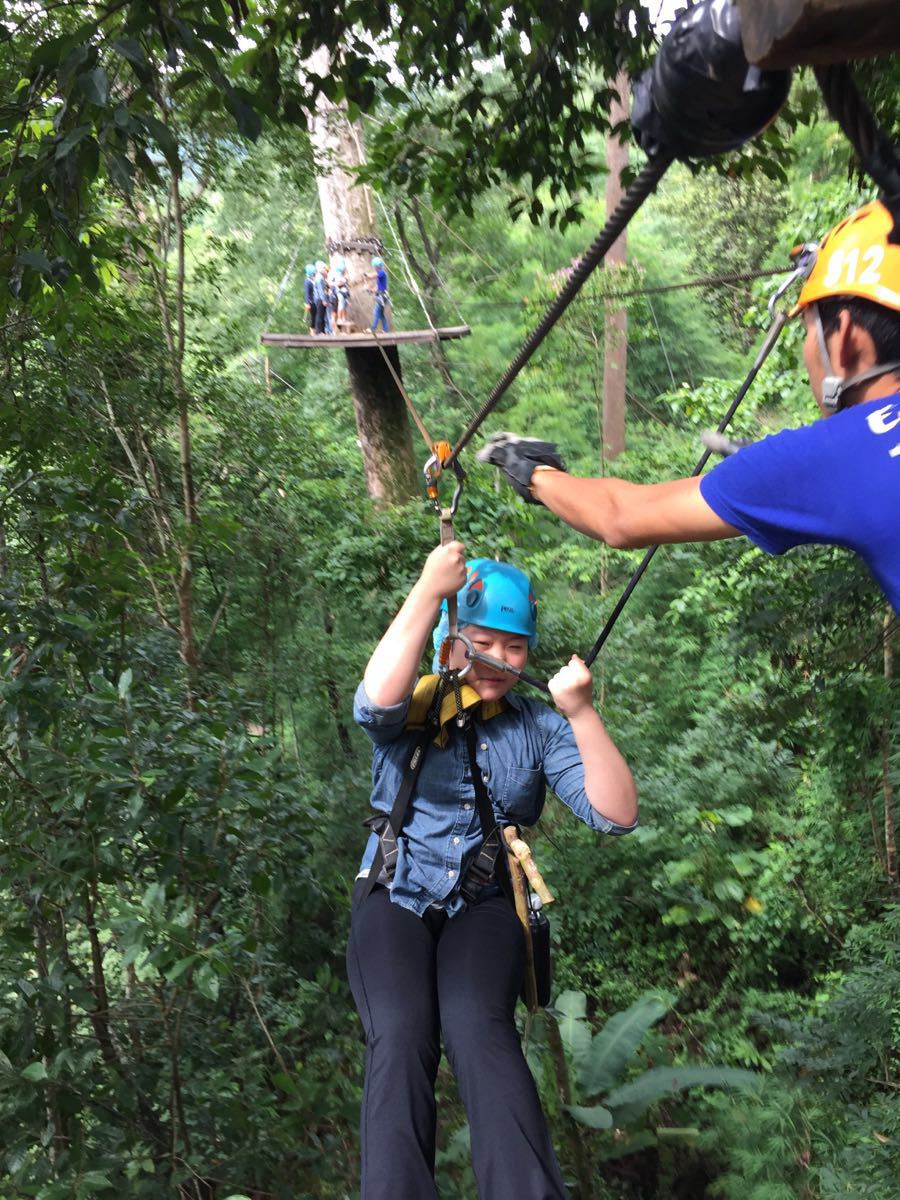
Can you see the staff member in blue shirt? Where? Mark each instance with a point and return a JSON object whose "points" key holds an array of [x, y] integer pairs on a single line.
{"points": [[424, 961], [835, 482]]}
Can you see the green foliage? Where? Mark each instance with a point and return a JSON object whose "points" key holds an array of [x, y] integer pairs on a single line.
{"points": [[601, 1061], [177, 844]]}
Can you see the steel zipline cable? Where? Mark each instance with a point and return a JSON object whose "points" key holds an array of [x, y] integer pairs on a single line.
{"points": [[879, 157]]}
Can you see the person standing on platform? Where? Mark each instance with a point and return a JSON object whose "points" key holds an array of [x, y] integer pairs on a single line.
{"points": [[382, 299], [319, 296], [342, 290], [309, 297]]}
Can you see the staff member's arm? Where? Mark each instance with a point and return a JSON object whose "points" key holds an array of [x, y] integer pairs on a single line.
{"points": [[626, 514], [611, 510]]}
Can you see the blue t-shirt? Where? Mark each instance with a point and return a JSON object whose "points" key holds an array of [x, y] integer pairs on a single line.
{"points": [[380, 279], [835, 482]]}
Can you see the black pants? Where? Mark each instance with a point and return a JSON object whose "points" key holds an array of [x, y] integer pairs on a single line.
{"points": [[412, 979]]}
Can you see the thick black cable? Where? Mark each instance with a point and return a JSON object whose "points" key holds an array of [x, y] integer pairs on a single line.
{"points": [[637, 193], [764, 351], [879, 157]]}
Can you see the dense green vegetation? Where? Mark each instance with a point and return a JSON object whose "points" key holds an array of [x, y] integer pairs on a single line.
{"points": [[192, 577]]}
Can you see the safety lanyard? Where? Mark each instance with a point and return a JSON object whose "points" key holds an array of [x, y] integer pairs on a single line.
{"points": [[387, 859]]}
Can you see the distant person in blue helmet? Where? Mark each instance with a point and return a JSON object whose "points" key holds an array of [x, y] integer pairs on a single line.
{"points": [[436, 949], [382, 299]]}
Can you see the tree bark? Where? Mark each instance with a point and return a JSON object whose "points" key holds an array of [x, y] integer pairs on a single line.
{"points": [[382, 426], [348, 217], [585, 1188]]}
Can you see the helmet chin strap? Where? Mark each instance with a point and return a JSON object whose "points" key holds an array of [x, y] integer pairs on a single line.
{"points": [[833, 386]]}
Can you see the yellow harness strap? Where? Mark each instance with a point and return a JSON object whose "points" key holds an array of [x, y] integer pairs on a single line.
{"points": [[423, 695]]}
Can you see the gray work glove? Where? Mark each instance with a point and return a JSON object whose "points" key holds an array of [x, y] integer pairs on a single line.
{"points": [[721, 443], [517, 457]]}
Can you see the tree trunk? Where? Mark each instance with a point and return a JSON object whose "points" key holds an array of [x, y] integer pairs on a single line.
{"points": [[382, 426], [615, 322], [185, 584], [348, 217], [585, 1189]]}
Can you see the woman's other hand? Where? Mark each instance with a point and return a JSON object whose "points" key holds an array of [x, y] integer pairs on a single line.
{"points": [[572, 688]]}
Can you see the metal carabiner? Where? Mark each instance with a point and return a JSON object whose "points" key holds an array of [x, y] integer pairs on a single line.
{"points": [[444, 655], [432, 472], [804, 257]]}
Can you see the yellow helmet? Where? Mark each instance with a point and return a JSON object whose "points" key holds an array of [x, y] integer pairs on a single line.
{"points": [[856, 259]]}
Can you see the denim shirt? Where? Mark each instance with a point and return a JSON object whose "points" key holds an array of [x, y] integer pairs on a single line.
{"points": [[520, 751]]}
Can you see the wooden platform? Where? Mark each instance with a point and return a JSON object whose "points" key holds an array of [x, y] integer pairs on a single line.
{"points": [[343, 341]]}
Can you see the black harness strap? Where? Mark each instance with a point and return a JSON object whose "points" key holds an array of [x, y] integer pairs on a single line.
{"points": [[388, 828], [489, 864]]}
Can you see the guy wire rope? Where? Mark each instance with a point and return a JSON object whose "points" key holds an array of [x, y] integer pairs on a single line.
{"points": [[637, 193], [420, 424], [765, 349]]}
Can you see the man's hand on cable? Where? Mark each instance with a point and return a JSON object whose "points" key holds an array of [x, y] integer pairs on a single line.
{"points": [[517, 457]]}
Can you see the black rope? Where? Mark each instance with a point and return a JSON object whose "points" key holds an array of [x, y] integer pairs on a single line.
{"points": [[879, 157], [640, 189], [764, 351]]}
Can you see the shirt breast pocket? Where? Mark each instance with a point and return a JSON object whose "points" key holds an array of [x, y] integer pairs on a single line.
{"points": [[523, 794]]}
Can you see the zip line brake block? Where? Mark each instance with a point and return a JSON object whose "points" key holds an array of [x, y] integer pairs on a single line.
{"points": [[432, 472], [804, 258]]}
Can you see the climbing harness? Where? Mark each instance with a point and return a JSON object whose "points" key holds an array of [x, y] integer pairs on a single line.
{"points": [[502, 858]]}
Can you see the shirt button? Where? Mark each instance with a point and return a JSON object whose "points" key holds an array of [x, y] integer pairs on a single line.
{"points": [[456, 841], [467, 807], [484, 745], [451, 874]]}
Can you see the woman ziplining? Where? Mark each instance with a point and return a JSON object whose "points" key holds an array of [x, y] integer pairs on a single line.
{"points": [[436, 947]]}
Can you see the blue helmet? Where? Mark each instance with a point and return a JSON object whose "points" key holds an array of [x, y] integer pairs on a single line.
{"points": [[377, 262], [496, 595], [310, 270]]}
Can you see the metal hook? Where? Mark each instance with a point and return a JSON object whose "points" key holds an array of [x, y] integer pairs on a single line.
{"points": [[805, 259], [444, 655]]}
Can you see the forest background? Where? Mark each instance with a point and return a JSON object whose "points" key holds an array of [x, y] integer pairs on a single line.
{"points": [[192, 578]]}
